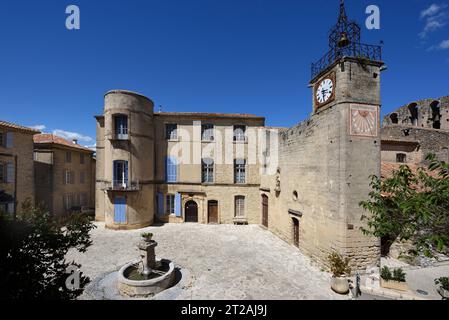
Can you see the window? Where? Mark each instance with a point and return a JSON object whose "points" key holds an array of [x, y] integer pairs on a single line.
{"points": [[120, 174], [239, 133], [68, 157], [9, 173], [394, 118], [68, 201], [207, 132], [82, 177], [171, 131], [171, 168], [10, 209], [2, 173], [414, 113], [2, 142], [170, 204], [69, 177], [239, 171], [83, 200], [207, 170], [82, 158], [401, 158], [239, 206], [436, 115], [121, 127], [9, 140]]}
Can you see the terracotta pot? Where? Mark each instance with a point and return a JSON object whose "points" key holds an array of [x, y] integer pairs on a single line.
{"points": [[340, 285]]}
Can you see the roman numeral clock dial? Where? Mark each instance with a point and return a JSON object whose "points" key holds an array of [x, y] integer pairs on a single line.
{"points": [[324, 91]]}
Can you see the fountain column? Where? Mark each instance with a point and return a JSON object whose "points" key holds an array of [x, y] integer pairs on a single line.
{"points": [[148, 256]]}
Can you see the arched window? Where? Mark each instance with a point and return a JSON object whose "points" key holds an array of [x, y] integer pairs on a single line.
{"points": [[394, 118], [436, 114], [413, 108]]}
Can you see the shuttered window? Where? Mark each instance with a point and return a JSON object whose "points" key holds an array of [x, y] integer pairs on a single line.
{"points": [[9, 173], [9, 139], [171, 169], [121, 127], [239, 206], [2, 172], [171, 131], [81, 158], [239, 133], [207, 132], [82, 177], [2, 139]]}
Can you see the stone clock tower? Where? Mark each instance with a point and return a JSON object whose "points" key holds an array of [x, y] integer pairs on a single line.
{"points": [[346, 99]]}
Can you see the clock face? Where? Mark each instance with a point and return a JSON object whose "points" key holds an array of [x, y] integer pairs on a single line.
{"points": [[324, 91], [364, 120]]}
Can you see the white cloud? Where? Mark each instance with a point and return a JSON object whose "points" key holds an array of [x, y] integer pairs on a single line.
{"points": [[39, 127], [430, 11], [71, 135], [444, 45], [436, 18]]}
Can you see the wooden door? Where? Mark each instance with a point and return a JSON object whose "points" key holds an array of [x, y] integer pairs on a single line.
{"points": [[191, 212], [265, 211], [212, 212], [296, 232]]}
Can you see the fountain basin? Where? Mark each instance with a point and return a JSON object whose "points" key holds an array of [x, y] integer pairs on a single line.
{"points": [[145, 288]]}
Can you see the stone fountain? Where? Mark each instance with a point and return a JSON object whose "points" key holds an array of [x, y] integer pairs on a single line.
{"points": [[147, 276]]}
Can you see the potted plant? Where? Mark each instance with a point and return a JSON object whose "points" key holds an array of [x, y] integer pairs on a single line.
{"points": [[147, 237], [443, 288], [340, 270], [393, 280]]}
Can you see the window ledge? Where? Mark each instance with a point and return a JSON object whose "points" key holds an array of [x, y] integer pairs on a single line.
{"points": [[174, 140]]}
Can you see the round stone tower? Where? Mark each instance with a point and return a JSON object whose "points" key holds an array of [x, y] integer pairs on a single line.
{"points": [[128, 161]]}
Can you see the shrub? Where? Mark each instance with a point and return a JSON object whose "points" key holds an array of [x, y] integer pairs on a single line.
{"points": [[443, 283], [396, 275], [339, 265], [147, 235]]}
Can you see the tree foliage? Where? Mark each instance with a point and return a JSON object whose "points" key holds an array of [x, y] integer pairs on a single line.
{"points": [[33, 248], [412, 206]]}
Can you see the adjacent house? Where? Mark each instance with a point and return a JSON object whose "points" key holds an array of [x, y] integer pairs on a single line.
{"points": [[16, 166], [64, 174]]}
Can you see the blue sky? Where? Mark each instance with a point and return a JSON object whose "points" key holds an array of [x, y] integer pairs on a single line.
{"points": [[236, 56]]}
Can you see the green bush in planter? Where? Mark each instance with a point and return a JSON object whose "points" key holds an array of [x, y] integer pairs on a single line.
{"points": [[339, 265], [148, 235], [386, 274], [443, 283], [397, 274]]}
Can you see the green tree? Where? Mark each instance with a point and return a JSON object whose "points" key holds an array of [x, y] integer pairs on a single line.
{"points": [[412, 206], [33, 248]]}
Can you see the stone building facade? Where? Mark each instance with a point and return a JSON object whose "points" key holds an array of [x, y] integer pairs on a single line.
{"points": [[16, 166], [64, 174], [413, 131], [310, 199]]}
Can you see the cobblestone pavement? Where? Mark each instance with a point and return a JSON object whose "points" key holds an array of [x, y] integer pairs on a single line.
{"points": [[224, 261]]}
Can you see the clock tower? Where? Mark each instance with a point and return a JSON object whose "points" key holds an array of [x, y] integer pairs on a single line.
{"points": [[346, 102]]}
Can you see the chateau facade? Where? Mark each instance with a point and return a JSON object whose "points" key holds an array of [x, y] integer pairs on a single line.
{"points": [[322, 166]]}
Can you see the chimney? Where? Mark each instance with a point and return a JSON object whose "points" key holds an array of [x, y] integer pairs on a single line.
{"points": [[75, 141]]}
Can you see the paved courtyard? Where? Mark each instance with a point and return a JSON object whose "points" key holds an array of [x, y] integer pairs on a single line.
{"points": [[224, 261]]}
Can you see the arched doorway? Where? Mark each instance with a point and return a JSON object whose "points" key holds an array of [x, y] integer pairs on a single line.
{"points": [[265, 211], [191, 212], [212, 212]]}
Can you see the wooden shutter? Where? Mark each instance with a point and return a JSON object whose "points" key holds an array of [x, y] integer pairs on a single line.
{"points": [[178, 205], [160, 204]]}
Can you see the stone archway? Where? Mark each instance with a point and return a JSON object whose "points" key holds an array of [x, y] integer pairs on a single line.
{"points": [[191, 212]]}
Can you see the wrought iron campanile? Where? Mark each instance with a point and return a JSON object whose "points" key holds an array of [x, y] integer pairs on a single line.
{"points": [[345, 41]]}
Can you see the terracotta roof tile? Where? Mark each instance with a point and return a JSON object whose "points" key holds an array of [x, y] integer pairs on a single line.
{"points": [[53, 139], [18, 127]]}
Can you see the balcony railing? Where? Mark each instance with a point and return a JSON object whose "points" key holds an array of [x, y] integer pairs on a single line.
{"points": [[355, 50], [120, 185]]}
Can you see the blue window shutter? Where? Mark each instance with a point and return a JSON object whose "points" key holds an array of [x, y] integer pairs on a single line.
{"points": [[178, 205], [167, 168], [160, 204], [171, 169], [9, 173], [9, 140], [126, 171]]}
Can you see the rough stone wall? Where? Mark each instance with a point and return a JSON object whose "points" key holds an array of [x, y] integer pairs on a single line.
{"points": [[429, 140], [425, 114]]}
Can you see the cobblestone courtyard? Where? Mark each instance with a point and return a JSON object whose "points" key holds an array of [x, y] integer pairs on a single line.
{"points": [[224, 261]]}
